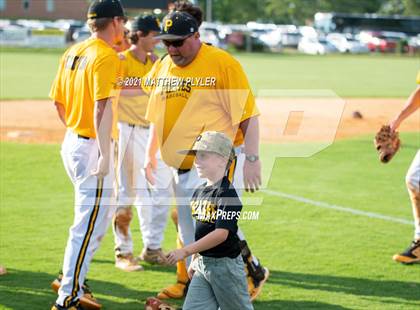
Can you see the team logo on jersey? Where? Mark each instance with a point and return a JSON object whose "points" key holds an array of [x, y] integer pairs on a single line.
{"points": [[204, 211], [168, 24]]}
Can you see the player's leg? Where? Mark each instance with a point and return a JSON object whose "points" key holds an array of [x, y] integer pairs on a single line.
{"points": [[152, 202], [124, 258], [200, 294], [256, 273], [228, 281], [185, 184], [94, 206], [412, 253]]}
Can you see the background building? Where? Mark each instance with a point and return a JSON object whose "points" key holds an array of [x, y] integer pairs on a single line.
{"points": [[67, 9]]}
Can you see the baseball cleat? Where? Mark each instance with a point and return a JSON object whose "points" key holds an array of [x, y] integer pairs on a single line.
{"points": [[87, 301], [153, 303], [127, 263], [411, 254], [153, 257], [255, 290], [175, 291], [179, 289], [72, 306]]}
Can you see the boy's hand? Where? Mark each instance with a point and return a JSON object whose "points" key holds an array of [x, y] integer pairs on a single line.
{"points": [[191, 270], [176, 255]]}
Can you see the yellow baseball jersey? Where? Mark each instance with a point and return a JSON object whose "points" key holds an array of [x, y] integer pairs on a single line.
{"points": [[418, 77], [87, 73], [211, 93], [132, 109]]}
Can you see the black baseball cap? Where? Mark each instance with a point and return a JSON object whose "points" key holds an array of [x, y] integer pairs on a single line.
{"points": [[177, 25], [105, 8], [145, 23]]}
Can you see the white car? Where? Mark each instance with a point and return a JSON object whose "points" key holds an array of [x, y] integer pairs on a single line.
{"points": [[347, 45], [314, 46], [209, 36], [272, 39]]}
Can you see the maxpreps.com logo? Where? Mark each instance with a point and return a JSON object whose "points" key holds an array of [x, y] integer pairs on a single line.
{"points": [[168, 24]]}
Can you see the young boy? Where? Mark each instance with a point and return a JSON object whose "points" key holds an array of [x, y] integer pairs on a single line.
{"points": [[217, 271]]}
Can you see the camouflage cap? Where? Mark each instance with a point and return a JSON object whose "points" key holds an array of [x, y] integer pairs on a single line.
{"points": [[212, 141]]}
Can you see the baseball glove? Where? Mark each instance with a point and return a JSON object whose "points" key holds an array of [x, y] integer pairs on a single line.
{"points": [[387, 143], [153, 303]]}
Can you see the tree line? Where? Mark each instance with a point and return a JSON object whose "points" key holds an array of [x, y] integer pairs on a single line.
{"points": [[301, 12]]}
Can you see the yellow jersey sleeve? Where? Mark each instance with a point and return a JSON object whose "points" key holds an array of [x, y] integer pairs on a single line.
{"points": [[105, 77], [56, 93]]}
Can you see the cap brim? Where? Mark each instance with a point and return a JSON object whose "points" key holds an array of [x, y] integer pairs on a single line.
{"points": [[134, 29], [170, 37], [187, 152]]}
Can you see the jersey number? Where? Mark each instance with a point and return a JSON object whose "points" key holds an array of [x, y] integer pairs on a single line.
{"points": [[76, 61]]}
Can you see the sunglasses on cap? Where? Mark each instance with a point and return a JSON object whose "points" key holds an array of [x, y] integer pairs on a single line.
{"points": [[175, 43]]}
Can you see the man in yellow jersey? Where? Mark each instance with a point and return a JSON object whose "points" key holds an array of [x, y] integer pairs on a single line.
{"points": [[412, 179], [197, 88], [83, 95], [152, 203]]}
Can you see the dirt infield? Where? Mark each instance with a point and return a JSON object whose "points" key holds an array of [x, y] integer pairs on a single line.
{"points": [[34, 121]]}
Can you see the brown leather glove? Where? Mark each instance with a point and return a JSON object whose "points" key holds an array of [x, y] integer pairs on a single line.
{"points": [[387, 143]]}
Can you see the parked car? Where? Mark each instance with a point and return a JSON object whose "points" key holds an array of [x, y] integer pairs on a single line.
{"points": [[290, 35], [347, 44], [81, 34], [383, 41], [414, 44], [272, 39], [314, 46], [210, 36]]}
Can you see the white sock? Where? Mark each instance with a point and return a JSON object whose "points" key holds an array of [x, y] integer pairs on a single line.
{"points": [[417, 231]]}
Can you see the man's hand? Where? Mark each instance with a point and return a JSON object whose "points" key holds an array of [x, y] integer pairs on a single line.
{"points": [[103, 167], [176, 255], [150, 166], [252, 175], [394, 124]]}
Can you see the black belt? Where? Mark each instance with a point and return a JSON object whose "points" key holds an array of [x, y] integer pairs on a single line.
{"points": [[141, 126], [83, 137], [183, 171]]}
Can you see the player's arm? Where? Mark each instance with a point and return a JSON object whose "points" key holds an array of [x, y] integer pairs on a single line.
{"points": [[412, 104], [252, 170], [103, 130], [209, 241], [150, 161], [152, 147], [131, 91], [61, 112], [244, 112]]}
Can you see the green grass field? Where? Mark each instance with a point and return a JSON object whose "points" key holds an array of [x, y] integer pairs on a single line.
{"points": [[27, 74], [319, 258]]}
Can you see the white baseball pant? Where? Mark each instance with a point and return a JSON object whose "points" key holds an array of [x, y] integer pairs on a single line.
{"points": [[93, 210]]}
